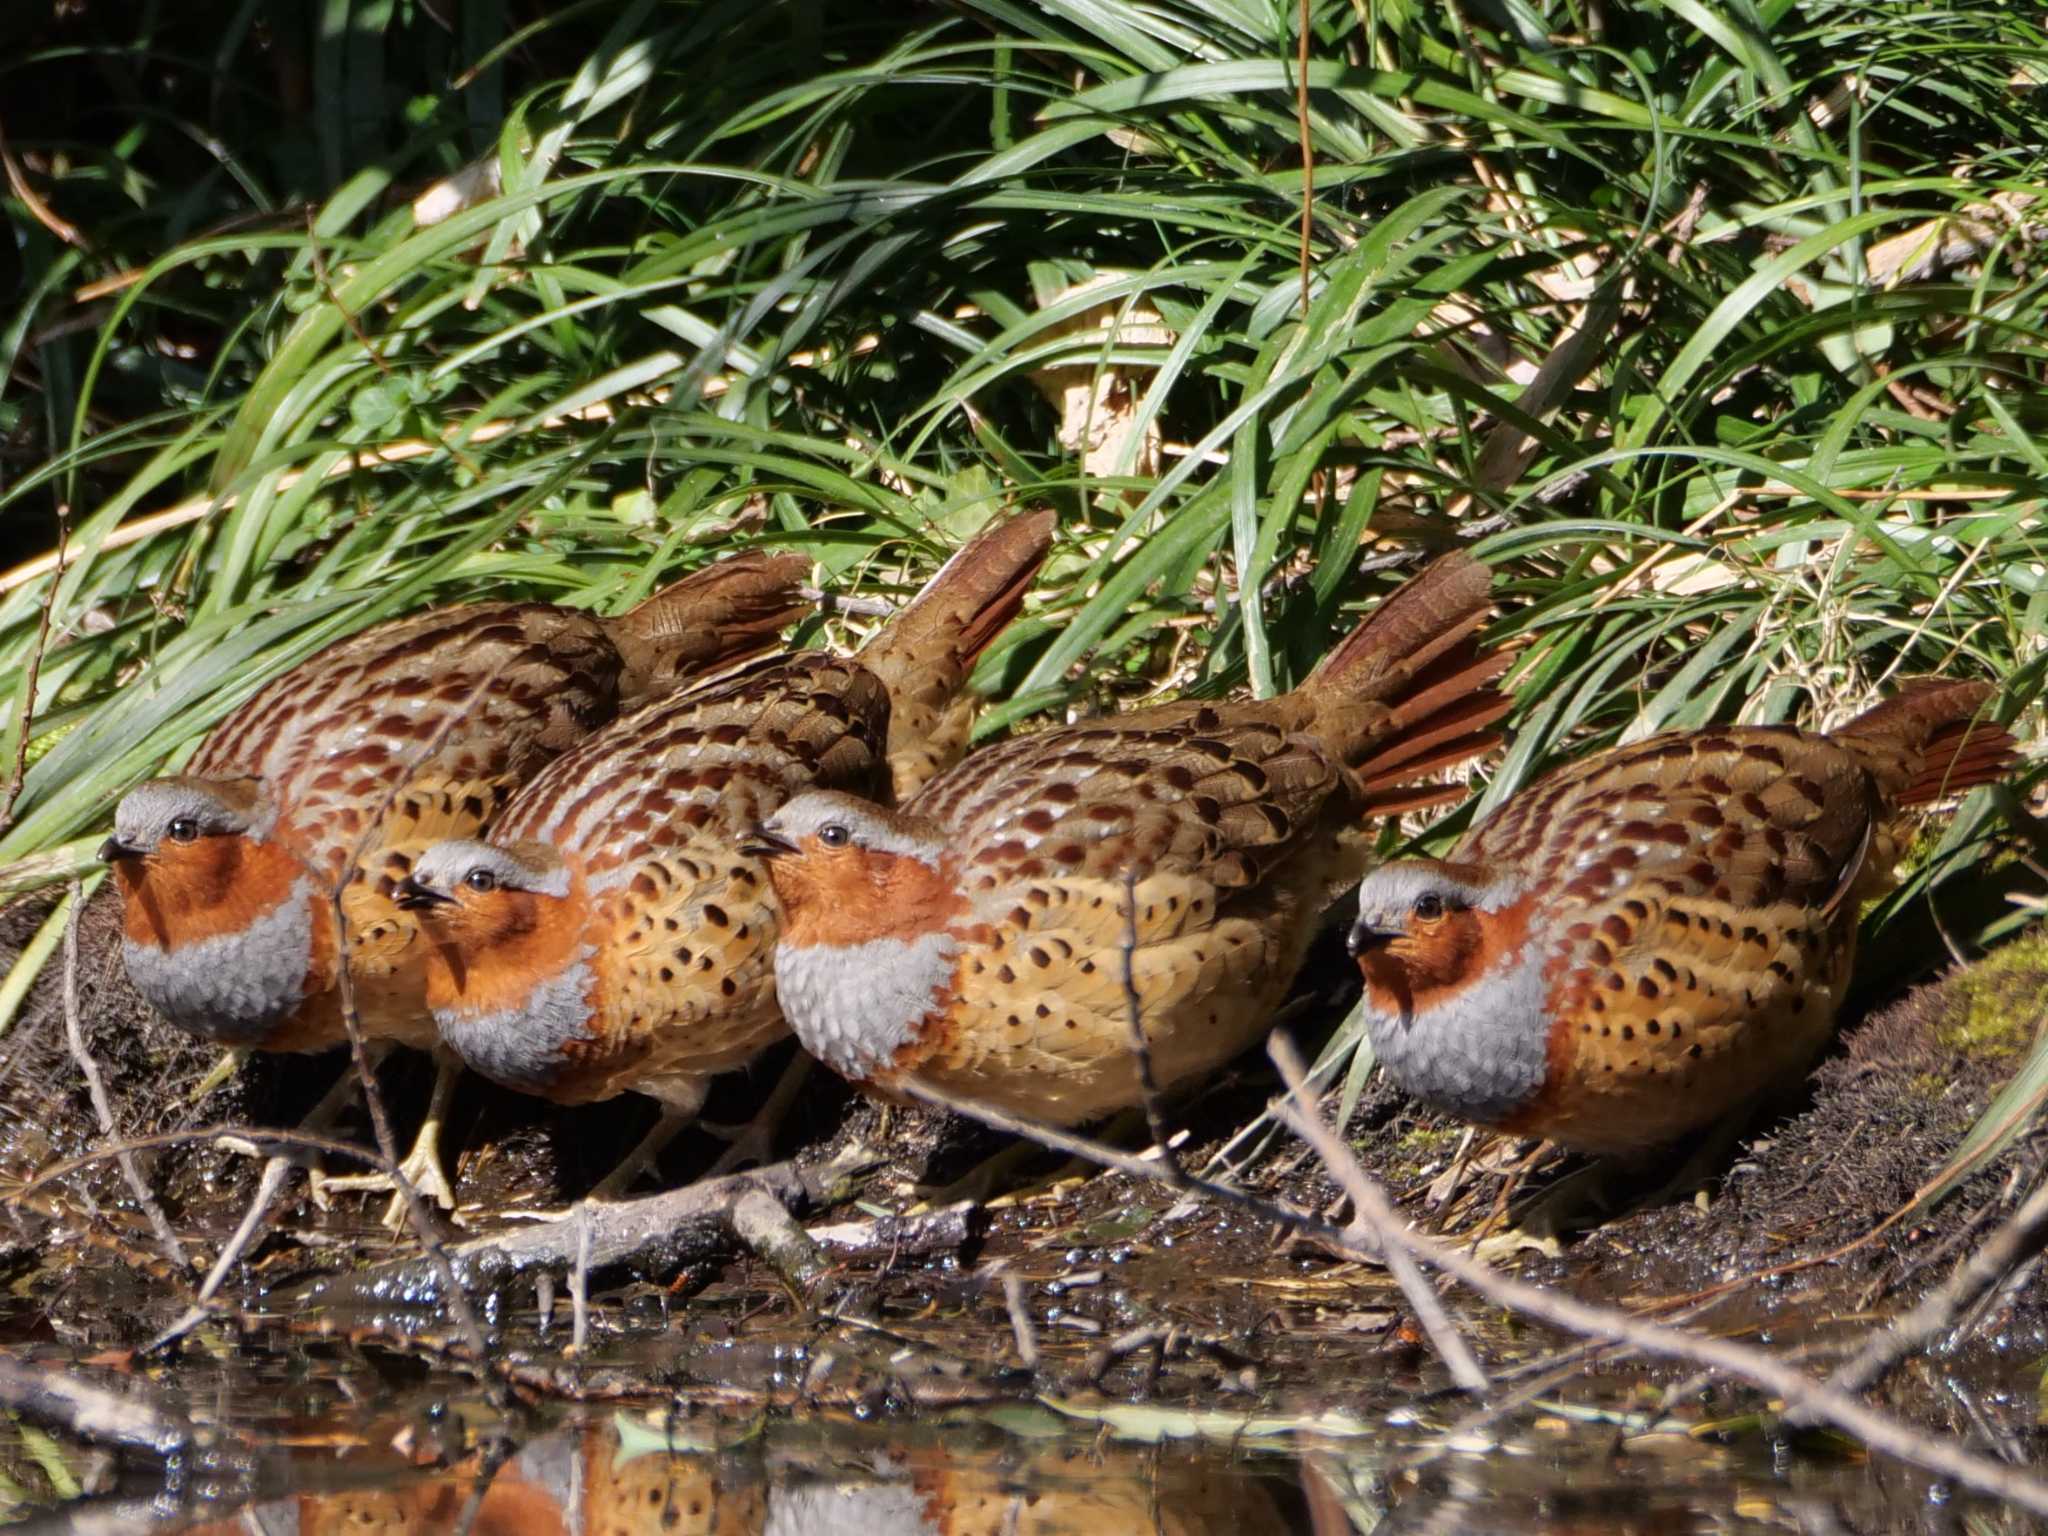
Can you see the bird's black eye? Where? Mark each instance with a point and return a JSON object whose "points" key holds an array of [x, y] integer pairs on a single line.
{"points": [[1429, 905], [481, 880], [833, 835], [183, 829]]}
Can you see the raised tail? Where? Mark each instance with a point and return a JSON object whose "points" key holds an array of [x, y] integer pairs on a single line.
{"points": [[1926, 742], [730, 609], [925, 652], [1406, 693]]}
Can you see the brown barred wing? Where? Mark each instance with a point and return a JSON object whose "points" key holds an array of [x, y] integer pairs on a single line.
{"points": [[1226, 789], [1749, 816], [717, 757], [464, 700]]}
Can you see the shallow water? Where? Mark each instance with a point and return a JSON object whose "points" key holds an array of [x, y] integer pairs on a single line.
{"points": [[364, 1442]]}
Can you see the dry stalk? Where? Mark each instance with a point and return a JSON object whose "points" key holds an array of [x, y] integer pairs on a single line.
{"points": [[102, 1106]]}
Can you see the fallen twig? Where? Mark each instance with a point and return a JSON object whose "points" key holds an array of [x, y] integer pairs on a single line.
{"points": [[1371, 1210], [1021, 1326], [764, 1224], [928, 1232], [91, 1412], [1134, 1015], [1877, 1430], [1801, 1394], [268, 1185], [103, 1108], [684, 1224]]}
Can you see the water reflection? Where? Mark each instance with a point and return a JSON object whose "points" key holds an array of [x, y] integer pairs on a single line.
{"points": [[617, 1479], [624, 1475]]}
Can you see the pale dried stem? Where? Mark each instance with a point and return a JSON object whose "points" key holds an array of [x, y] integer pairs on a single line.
{"points": [[1802, 1395], [102, 1106], [1021, 1327], [1371, 1210], [1134, 1015], [91, 1412]]}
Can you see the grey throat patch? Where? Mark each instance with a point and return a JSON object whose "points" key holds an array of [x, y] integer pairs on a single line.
{"points": [[233, 988], [521, 1048], [1479, 1055], [854, 1006]]}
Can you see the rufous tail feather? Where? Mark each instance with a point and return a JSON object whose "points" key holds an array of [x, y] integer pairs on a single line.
{"points": [[1939, 743], [1406, 694], [731, 609]]}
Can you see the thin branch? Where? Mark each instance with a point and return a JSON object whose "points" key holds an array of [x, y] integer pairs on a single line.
{"points": [[1021, 1326], [1371, 1209], [579, 1282], [1134, 1015], [1606, 1324], [246, 1138], [102, 1106], [275, 1169], [90, 1412], [678, 1225], [1802, 1395], [2018, 1240]]}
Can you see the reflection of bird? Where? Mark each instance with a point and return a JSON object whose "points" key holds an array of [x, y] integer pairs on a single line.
{"points": [[1091, 1490], [974, 940], [1641, 941], [509, 1507], [611, 935], [654, 1493], [408, 733]]}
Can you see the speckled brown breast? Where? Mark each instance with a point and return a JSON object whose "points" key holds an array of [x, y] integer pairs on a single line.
{"points": [[1238, 830], [650, 813], [1697, 898]]}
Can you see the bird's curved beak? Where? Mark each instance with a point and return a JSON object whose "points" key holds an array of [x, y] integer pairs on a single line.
{"points": [[1366, 936], [763, 844], [414, 897], [113, 848]]}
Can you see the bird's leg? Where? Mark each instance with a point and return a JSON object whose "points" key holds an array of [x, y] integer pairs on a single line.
{"points": [[422, 1165], [754, 1142], [680, 1099], [227, 1066]]}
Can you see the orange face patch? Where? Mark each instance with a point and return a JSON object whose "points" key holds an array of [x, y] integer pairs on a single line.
{"points": [[1437, 960], [841, 896], [487, 949], [186, 892]]}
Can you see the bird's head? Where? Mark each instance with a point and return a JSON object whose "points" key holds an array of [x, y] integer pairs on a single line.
{"points": [[177, 823], [500, 920], [478, 891], [1424, 925], [847, 870]]}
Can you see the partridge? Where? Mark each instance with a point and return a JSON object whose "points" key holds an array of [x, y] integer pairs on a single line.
{"points": [[612, 934], [348, 765], [1640, 942], [973, 940]]}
